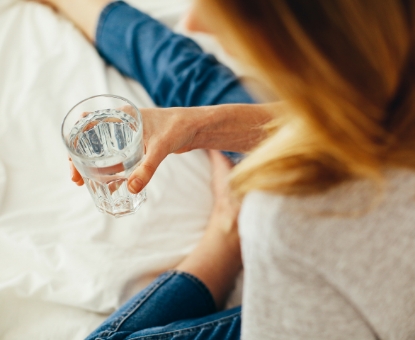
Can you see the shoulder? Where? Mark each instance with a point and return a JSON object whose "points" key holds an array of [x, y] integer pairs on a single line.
{"points": [[352, 203], [358, 237], [358, 216]]}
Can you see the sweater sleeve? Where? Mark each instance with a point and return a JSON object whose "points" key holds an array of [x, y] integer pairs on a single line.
{"points": [[172, 68]]}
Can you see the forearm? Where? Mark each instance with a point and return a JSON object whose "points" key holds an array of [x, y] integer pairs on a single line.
{"points": [[233, 127], [216, 261]]}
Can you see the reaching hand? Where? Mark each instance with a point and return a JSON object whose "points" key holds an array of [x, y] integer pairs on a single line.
{"points": [[166, 131], [233, 127]]}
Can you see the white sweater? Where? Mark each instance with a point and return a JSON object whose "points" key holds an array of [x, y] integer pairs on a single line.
{"points": [[340, 265]]}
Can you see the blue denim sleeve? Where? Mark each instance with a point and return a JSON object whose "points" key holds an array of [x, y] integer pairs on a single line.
{"points": [[172, 68]]}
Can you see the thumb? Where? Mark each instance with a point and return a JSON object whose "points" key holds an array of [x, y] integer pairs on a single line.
{"points": [[144, 172]]}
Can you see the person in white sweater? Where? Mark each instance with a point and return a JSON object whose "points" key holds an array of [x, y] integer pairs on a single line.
{"points": [[328, 187]]}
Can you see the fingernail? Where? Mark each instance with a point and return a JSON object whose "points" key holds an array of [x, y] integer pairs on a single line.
{"points": [[135, 186]]}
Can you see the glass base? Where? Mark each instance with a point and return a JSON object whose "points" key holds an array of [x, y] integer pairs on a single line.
{"points": [[113, 198], [123, 208]]}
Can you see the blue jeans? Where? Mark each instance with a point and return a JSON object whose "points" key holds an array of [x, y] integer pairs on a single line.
{"points": [[177, 306]]}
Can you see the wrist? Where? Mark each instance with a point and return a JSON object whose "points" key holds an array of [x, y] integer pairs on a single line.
{"points": [[231, 127], [207, 124]]}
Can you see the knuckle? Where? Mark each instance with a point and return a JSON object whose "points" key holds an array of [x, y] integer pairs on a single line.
{"points": [[148, 168]]}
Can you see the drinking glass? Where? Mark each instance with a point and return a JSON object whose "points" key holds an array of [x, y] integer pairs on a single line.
{"points": [[104, 137]]}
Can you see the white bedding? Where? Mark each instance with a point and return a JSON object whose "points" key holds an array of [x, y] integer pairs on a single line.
{"points": [[63, 265]]}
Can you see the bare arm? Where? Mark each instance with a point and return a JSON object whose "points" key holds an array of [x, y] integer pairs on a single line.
{"points": [[233, 127], [230, 127], [84, 14]]}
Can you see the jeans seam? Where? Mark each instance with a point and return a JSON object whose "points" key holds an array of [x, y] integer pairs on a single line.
{"points": [[189, 330], [115, 325]]}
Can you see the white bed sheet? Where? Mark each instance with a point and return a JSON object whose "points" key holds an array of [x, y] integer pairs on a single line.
{"points": [[63, 265]]}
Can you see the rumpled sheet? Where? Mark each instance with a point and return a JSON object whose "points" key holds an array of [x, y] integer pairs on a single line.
{"points": [[63, 265]]}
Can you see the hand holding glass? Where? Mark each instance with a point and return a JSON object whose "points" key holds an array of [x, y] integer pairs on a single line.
{"points": [[104, 137]]}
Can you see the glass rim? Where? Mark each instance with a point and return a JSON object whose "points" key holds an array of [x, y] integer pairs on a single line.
{"points": [[83, 101]]}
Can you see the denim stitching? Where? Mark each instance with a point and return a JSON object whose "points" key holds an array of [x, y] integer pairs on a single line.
{"points": [[115, 325], [190, 330]]}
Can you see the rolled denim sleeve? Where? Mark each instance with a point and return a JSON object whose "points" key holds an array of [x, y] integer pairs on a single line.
{"points": [[172, 68]]}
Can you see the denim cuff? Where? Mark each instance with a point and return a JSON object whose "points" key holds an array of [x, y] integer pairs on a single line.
{"points": [[205, 292], [173, 296], [114, 28], [104, 16], [234, 157]]}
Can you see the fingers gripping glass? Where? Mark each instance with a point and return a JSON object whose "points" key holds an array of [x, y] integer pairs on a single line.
{"points": [[104, 137]]}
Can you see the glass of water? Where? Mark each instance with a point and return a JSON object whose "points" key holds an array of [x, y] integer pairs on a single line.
{"points": [[104, 136]]}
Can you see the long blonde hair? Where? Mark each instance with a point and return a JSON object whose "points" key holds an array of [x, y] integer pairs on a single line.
{"points": [[346, 69]]}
